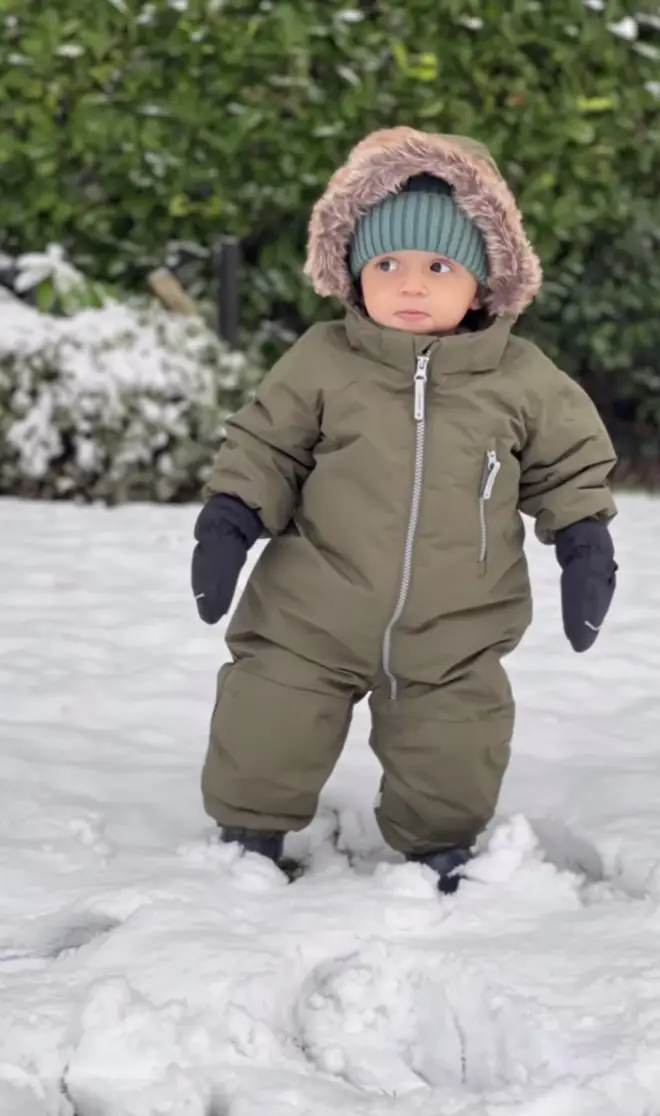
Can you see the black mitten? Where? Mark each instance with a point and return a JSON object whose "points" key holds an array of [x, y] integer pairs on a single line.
{"points": [[225, 530], [585, 552]]}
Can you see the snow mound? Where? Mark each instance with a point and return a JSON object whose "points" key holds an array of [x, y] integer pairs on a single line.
{"points": [[130, 1057]]}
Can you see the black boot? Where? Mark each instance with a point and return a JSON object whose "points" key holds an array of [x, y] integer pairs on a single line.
{"points": [[446, 864], [265, 843]]}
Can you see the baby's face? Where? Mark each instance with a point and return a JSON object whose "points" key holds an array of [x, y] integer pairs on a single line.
{"points": [[419, 292]]}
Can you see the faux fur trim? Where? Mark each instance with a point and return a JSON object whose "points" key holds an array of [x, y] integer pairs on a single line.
{"points": [[380, 165]]}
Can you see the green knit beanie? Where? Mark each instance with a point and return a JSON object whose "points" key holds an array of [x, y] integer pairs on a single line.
{"points": [[422, 217]]}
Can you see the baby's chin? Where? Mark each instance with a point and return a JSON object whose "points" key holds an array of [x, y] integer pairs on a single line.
{"points": [[424, 326]]}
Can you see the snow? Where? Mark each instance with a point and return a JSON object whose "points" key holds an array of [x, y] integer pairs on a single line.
{"points": [[146, 970], [35, 268], [626, 28]]}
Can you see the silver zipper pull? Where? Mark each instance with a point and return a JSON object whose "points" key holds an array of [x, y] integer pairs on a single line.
{"points": [[493, 467], [421, 376]]}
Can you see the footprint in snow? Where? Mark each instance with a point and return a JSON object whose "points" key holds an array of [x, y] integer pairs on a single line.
{"points": [[56, 939], [392, 1020]]}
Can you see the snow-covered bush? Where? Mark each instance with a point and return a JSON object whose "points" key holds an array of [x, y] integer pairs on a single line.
{"points": [[112, 404], [55, 284]]}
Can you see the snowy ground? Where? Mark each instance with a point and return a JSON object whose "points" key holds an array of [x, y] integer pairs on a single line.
{"points": [[147, 971]]}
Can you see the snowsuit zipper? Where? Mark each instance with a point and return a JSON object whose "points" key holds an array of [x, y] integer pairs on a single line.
{"points": [[490, 470], [419, 414]]}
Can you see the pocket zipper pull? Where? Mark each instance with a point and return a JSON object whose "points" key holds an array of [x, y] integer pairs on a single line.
{"points": [[493, 467]]}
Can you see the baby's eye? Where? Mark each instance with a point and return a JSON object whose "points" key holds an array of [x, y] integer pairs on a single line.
{"points": [[440, 267], [387, 265]]}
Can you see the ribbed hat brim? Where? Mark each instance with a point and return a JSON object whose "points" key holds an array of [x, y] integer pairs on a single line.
{"points": [[422, 221]]}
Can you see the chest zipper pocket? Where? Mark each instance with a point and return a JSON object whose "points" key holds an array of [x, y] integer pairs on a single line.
{"points": [[491, 468]]}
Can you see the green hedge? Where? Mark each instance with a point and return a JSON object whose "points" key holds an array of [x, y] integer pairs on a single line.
{"points": [[600, 317], [154, 123]]}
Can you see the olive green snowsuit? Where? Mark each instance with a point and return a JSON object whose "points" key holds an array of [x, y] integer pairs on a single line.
{"points": [[390, 470]]}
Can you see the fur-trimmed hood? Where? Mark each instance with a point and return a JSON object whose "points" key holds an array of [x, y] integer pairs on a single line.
{"points": [[380, 165]]}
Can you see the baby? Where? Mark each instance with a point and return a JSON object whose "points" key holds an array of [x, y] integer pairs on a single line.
{"points": [[388, 457]]}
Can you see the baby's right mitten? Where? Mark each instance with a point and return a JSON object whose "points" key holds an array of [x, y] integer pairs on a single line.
{"points": [[225, 530]]}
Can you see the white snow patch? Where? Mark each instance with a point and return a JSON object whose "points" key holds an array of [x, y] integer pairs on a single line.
{"points": [[130, 1057], [350, 15], [626, 28], [70, 50]]}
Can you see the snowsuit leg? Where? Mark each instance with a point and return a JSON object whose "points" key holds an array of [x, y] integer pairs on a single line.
{"points": [[444, 752], [277, 730]]}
